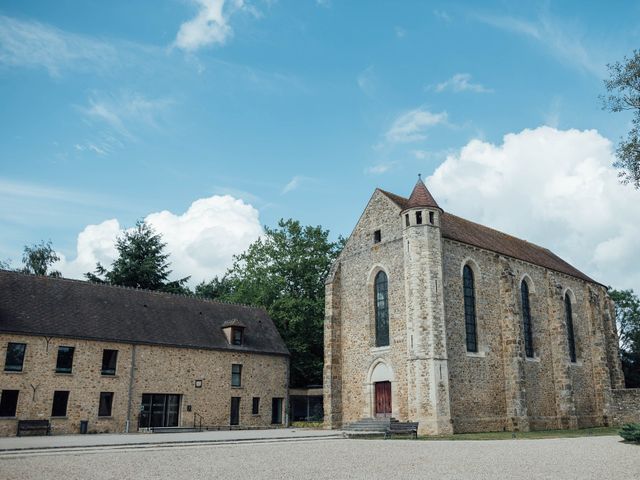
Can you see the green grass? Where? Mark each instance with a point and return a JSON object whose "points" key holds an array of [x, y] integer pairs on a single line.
{"points": [[583, 432], [306, 424]]}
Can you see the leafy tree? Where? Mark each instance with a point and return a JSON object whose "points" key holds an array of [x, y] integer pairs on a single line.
{"points": [[5, 265], [624, 94], [141, 263], [38, 259], [284, 271], [627, 306]]}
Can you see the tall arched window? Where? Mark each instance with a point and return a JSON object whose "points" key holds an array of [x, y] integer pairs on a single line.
{"points": [[382, 309], [570, 335], [469, 309], [526, 320]]}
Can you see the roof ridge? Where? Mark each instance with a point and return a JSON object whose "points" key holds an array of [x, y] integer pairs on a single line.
{"points": [[125, 287]]}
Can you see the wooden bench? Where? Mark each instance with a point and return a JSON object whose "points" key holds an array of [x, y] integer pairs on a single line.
{"points": [[34, 426], [403, 428]]}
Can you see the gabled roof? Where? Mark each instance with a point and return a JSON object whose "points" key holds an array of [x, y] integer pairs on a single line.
{"points": [[58, 307], [420, 197], [471, 233]]}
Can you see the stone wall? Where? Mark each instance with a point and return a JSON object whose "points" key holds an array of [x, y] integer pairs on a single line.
{"points": [[158, 369], [625, 406]]}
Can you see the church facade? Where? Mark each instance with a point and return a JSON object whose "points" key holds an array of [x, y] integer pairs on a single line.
{"points": [[436, 319]]}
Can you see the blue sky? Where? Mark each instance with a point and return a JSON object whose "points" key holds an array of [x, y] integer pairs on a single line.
{"points": [[119, 110]]}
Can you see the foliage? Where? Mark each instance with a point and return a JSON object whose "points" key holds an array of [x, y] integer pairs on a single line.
{"points": [[631, 432], [624, 94], [627, 306], [141, 263], [5, 265], [38, 258], [284, 271]]}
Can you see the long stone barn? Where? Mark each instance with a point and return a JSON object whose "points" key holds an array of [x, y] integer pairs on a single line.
{"points": [[435, 319], [124, 359]]}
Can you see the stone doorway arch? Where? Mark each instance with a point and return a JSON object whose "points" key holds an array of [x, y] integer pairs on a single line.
{"points": [[380, 390]]}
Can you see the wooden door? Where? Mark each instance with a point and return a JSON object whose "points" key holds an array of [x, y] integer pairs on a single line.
{"points": [[235, 411], [383, 399]]}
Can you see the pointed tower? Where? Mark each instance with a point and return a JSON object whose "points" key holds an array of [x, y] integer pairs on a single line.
{"points": [[428, 377]]}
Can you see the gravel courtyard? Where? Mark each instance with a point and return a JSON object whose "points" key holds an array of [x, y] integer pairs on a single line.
{"points": [[579, 458]]}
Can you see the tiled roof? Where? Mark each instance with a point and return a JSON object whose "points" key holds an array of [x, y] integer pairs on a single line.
{"points": [[420, 197], [465, 231], [38, 305]]}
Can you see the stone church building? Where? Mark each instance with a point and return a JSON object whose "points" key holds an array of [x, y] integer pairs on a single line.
{"points": [[462, 328]]}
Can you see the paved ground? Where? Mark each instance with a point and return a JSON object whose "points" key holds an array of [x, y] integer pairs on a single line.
{"points": [[575, 458]]}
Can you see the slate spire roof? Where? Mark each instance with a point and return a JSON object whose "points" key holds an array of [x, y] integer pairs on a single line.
{"points": [[421, 197]]}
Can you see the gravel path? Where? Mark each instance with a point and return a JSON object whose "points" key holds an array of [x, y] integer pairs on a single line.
{"points": [[579, 458]]}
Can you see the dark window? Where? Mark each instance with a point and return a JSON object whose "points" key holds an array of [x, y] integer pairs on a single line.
{"points": [[8, 403], [64, 364], [15, 357], [109, 362], [59, 407], [570, 333], [377, 236], [255, 409], [406, 219], [470, 309], [382, 310], [106, 402], [276, 411], [431, 218], [236, 336], [419, 218], [234, 418], [236, 375], [159, 410], [526, 320]]}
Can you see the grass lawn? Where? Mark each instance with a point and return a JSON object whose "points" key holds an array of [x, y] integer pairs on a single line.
{"points": [[583, 432]]}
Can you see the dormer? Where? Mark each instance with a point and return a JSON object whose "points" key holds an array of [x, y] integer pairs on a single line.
{"points": [[234, 331], [421, 208]]}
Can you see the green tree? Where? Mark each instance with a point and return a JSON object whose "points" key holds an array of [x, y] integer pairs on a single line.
{"points": [[623, 88], [141, 263], [284, 271], [627, 305], [38, 259]]}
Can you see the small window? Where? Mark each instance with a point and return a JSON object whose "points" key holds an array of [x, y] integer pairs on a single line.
{"points": [[109, 362], [406, 220], [431, 218], [60, 400], [276, 411], [570, 333], [381, 304], [8, 403], [526, 320], [469, 293], [236, 336], [255, 409], [106, 402], [236, 375], [14, 360], [64, 364], [419, 218], [377, 236]]}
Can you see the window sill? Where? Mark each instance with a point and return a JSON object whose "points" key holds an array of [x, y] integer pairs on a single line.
{"points": [[577, 363], [64, 374], [533, 359], [9, 418], [255, 414], [237, 387], [108, 375], [384, 349], [59, 418], [13, 372], [106, 417], [476, 354]]}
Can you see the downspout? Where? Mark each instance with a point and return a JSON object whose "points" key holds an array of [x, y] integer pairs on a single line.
{"points": [[131, 374]]}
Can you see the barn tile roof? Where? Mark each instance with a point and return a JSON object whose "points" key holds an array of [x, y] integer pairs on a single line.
{"points": [[471, 233], [38, 305]]}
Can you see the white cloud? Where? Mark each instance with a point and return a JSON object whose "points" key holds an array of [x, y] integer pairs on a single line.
{"points": [[201, 241], [442, 15], [324, 3], [555, 188], [210, 26], [367, 80], [461, 82], [380, 168], [400, 32], [411, 126], [36, 45], [562, 41]]}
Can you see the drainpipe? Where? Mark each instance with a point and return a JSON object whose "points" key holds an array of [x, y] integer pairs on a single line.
{"points": [[130, 401]]}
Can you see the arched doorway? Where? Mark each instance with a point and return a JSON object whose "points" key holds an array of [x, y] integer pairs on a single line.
{"points": [[380, 379]]}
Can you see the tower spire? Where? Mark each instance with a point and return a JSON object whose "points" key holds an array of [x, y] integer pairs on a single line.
{"points": [[420, 197]]}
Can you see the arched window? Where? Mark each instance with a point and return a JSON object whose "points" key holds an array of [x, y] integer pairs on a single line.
{"points": [[526, 320], [570, 335], [469, 309], [382, 310]]}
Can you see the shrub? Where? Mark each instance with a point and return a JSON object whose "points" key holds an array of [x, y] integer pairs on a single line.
{"points": [[631, 432]]}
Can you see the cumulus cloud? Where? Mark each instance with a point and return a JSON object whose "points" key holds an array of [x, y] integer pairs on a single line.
{"points": [[555, 188], [210, 26], [201, 241], [412, 125], [461, 82]]}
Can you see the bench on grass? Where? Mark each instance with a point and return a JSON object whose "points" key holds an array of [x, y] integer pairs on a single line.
{"points": [[402, 428], [30, 426]]}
